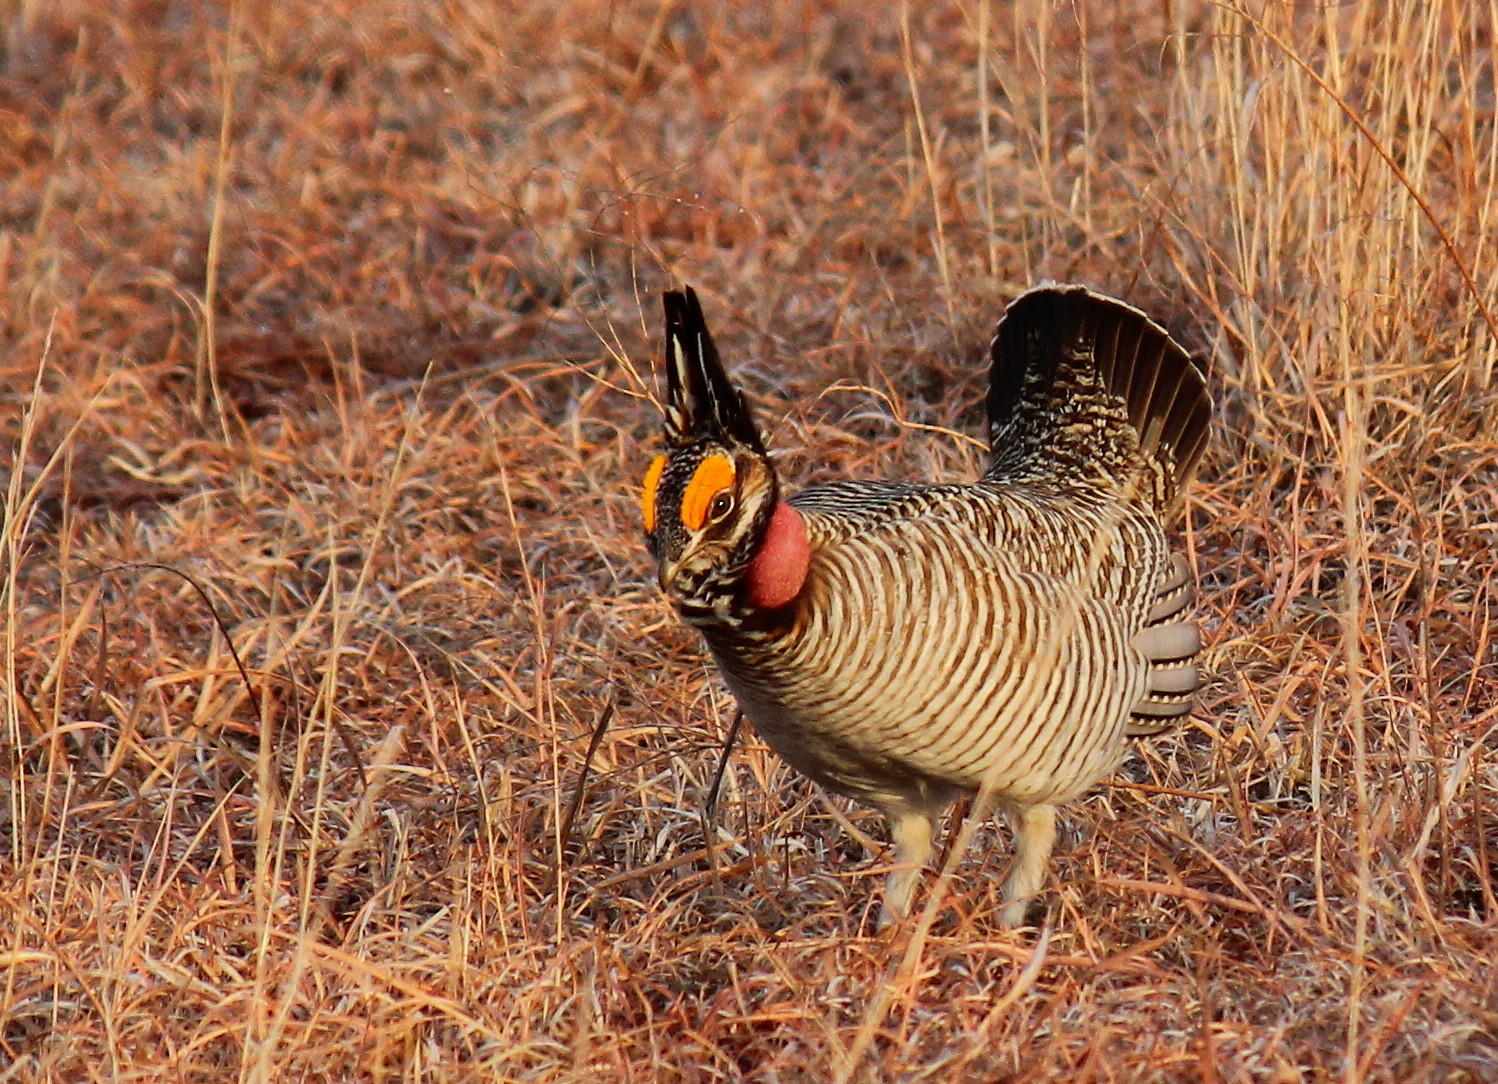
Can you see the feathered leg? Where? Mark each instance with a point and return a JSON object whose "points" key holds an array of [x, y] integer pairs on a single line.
{"points": [[912, 834], [1034, 835]]}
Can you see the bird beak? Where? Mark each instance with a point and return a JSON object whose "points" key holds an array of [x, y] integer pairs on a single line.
{"points": [[667, 575]]}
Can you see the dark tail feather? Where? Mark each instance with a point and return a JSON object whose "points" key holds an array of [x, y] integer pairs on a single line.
{"points": [[700, 399], [1085, 385]]}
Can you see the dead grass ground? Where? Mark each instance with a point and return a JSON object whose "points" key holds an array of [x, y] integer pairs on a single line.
{"points": [[336, 316]]}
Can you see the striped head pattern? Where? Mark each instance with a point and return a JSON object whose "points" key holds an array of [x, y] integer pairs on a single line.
{"points": [[708, 499]]}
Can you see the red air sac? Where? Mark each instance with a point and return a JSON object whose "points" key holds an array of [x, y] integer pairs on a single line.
{"points": [[779, 569]]}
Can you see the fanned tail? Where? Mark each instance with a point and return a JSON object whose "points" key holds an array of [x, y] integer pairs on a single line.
{"points": [[1087, 387]]}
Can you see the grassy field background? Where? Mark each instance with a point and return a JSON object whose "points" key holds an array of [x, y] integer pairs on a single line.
{"points": [[328, 334]]}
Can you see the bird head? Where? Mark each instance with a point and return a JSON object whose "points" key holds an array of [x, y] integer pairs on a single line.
{"points": [[711, 498]]}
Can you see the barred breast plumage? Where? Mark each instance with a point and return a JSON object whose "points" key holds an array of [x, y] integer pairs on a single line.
{"points": [[904, 644]]}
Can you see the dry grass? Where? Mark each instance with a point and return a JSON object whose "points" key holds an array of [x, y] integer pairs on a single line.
{"points": [[336, 317]]}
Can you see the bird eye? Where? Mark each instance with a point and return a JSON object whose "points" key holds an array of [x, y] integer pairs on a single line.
{"points": [[721, 506]]}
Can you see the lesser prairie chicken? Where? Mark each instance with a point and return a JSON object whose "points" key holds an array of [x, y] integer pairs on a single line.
{"points": [[905, 643]]}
